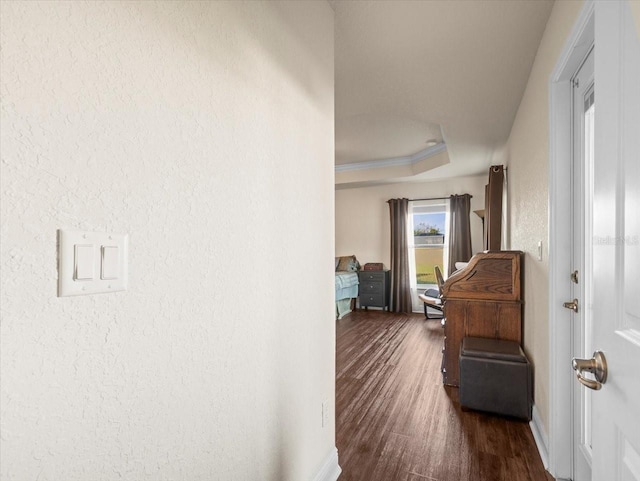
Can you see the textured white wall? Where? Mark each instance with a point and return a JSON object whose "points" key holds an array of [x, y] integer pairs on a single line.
{"points": [[205, 131], [529, 191], [362, 214]]}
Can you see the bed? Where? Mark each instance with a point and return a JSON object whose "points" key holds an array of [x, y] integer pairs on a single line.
{"points": [[346, 284]]}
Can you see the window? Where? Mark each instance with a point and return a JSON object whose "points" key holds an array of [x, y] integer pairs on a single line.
{"points": [[428, 240]]}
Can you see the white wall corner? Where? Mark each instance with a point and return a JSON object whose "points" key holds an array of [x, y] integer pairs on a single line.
{"points": [[540, 436], [330, 469]]}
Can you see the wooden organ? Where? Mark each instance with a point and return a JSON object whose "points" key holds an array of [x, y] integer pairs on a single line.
{"points": [[483, 299]]}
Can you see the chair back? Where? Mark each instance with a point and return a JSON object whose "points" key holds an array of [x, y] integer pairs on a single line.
{"points": [[439, 279]]}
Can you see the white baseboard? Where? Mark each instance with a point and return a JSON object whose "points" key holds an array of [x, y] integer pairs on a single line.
{"points": [[540, 436], [330, 470]]}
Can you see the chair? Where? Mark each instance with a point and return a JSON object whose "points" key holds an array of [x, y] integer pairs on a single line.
{"points": [[439, 279], [433, 298]]}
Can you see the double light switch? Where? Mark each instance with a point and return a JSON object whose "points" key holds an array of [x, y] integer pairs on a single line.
{"points": [[84, 262], [91, 262]]}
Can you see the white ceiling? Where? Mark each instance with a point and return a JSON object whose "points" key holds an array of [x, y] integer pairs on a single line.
{"points": [[410, 71]]}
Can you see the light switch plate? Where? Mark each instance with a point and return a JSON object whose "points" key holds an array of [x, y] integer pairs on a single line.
{"points": [[103, 254], [539, 250]]}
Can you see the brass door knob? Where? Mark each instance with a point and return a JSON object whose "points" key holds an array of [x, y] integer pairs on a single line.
{"points": [[597, 366]]}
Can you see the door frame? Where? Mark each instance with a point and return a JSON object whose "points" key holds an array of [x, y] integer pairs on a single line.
{"points": [[561, 378]]}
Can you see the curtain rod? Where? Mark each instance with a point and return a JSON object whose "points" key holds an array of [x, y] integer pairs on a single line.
{"points": [[432, 198]]}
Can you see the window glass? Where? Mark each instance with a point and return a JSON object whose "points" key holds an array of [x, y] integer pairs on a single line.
{"points": [[428, 240]]}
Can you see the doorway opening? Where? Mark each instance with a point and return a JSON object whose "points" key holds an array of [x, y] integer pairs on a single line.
{"points": [[559, 451]]}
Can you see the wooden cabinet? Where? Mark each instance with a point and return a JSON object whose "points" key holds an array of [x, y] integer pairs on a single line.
{"points": [[373, 289], [482, 300]]}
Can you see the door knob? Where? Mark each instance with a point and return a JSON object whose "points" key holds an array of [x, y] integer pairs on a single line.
{"points": [[597, 366], [573, 305]]}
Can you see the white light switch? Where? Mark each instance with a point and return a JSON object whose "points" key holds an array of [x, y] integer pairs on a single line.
{"points": [[110, 267], [83, 262], [539, 250], [91, 262]]}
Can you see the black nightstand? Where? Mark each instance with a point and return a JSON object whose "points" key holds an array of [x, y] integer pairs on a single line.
{"points": [[373, 289]]}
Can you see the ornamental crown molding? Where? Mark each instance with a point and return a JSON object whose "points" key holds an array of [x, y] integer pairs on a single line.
{"points": [[394, 161]]}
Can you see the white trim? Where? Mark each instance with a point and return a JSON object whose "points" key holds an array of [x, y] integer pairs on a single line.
{"points": [[540, 436], [394, 161], [330, 469], [559, 445]]}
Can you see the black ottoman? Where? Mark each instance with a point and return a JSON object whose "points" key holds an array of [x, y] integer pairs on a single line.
{"points": [[495, 376]]}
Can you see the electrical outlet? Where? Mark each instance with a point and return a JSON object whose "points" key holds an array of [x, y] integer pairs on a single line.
{"points": [[325, 413]]}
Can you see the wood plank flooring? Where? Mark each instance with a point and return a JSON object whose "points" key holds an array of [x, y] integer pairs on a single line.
{"points": [[395, 421]]}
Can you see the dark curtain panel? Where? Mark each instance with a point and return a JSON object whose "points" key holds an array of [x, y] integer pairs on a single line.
{"points": [[400, 286], [493, 209], [459, 230]]}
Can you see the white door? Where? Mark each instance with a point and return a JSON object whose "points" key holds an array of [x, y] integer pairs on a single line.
{"points": [[583, 107], [616, 244]]}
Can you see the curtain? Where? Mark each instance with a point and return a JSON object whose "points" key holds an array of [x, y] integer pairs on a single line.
{"points": [[400, 285], [493, 209], [459, 230], [506, 235]]}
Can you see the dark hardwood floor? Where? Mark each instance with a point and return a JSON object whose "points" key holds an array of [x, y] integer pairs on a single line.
{"points": [[395, 421]]}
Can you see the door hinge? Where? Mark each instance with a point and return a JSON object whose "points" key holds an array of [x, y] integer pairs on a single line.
{"points": [[575, 83]]}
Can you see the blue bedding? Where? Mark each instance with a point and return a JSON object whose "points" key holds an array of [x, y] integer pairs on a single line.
{"points": [[346, 285]]}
